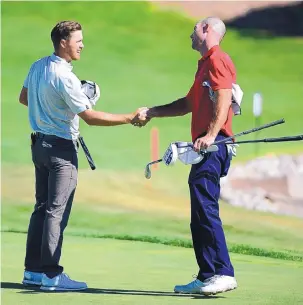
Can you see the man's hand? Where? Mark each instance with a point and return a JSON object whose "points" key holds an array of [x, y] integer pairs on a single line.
{"points": [[140, 117], [203, 142]]}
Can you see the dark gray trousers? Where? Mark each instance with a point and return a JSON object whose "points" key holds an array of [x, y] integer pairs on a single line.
{"points": [[56, 170]]}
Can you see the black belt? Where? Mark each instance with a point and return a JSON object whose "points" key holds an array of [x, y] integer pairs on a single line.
{"points": [[39, 135]]}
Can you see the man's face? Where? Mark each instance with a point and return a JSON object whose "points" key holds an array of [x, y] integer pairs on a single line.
{"points": [[198, 36], [74, 45]]}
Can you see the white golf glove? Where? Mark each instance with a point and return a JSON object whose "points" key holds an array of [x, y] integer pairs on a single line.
{"points": [[237, 96], [91, 90]]}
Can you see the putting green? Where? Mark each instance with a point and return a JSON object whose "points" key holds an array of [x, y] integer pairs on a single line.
{"points": [[123, 272]]}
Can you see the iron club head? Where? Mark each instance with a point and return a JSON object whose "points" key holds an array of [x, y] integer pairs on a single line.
{"points": [[147, 173]]}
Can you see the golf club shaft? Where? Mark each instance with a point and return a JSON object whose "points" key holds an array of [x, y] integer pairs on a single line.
{"points": [[87, 154], [153, 162], [270, 140], [251, 130]]}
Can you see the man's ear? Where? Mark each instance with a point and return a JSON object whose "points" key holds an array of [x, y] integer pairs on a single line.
{"points": [[205, 28], [63, 43]]}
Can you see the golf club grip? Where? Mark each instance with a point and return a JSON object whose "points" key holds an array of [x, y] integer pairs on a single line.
{"points": [[270, 140], [281, 121], [87, 154]]}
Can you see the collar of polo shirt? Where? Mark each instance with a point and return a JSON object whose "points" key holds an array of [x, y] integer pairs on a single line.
{"points": [[210, 52], [61, 61]]}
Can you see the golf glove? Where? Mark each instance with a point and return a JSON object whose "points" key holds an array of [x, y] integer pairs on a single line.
{"points": [[91, 90], [237, 95]]}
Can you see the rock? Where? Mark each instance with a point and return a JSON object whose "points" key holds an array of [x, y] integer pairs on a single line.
{"points": [[270, 184]]}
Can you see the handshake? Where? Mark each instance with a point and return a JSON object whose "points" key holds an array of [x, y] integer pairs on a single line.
{"points": [[141, 117]]}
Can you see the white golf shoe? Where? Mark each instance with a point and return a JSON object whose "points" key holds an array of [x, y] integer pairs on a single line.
{"points": [[61, 282], [217, 284], [192, 287]]}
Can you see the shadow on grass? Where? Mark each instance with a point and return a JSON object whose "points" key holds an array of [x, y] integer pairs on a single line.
{"points": [[36, 289]]}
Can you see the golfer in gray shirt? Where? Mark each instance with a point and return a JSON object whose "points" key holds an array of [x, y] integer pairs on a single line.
{"points": [[56, 101]]}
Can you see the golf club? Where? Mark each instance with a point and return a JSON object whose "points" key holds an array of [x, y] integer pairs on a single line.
{"points": [[87, 154], [147, 168], [270, 140], [274, 123], [147, 174]]}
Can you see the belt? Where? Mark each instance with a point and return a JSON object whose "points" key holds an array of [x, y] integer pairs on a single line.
{"points": [[41, 135], [80, 139]]}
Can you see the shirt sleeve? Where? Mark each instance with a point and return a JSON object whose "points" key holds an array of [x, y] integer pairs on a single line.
{"points": [[220, 75], [25, 83], [190, 95], [72, 94]]}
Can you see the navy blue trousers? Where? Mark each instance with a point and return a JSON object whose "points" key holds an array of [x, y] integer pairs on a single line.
{"points": [[206, 226]]}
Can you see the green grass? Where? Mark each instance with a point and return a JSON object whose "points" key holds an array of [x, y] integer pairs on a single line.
{"points": [[141, 56], [247, 232], [240, 249], [108, 265], [153, 212]]}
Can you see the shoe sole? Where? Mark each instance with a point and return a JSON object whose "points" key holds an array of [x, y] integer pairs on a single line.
{"points": [[46, 288], [214, 293], [30, 283], [186, 292]]}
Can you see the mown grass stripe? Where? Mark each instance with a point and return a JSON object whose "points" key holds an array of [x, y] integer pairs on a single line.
{"points": [[233, 248]]}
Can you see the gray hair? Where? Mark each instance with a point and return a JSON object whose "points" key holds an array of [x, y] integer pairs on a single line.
{"points": [[217, 25]]}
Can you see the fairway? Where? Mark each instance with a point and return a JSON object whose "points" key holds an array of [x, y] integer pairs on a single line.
{"points": [[124, 272]]}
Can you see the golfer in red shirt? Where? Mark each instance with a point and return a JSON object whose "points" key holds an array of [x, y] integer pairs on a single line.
{"points": [[209, 101]]}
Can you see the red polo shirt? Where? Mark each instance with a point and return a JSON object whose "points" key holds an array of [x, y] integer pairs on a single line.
{"points": [[216, 68]]}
